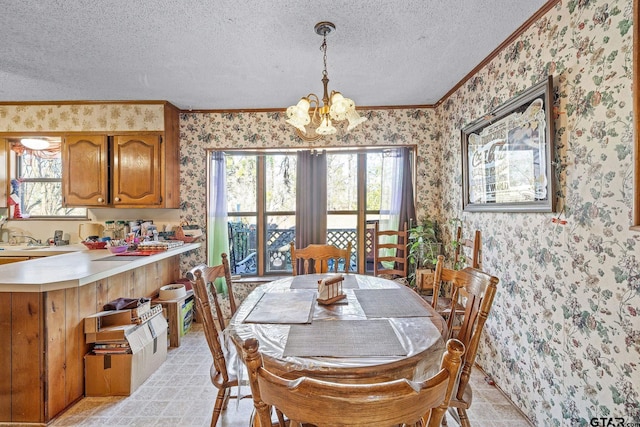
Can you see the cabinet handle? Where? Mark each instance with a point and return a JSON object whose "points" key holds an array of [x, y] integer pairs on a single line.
{"points": [[117, 199], [100, 200]]}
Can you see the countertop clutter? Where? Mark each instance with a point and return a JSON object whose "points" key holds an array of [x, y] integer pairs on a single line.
{"points": [[73, 266]]}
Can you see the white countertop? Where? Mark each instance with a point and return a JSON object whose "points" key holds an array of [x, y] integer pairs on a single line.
{"points": [[72, 266], [38, 251]]}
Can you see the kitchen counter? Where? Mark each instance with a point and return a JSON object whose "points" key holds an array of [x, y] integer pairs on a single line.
{"points": [[43, 304], [39, 251], [73, 266]]}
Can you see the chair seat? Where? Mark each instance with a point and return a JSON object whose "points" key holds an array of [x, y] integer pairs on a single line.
{"points": [[467, 397], [218, 382], [444, 305]]}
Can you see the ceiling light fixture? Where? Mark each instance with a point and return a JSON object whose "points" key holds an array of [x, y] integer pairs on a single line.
{"points": [[35, 143], [334, 107]]}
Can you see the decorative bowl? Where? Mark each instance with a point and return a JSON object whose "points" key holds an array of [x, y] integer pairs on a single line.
{"points": [[95, 245], [118, 249]]}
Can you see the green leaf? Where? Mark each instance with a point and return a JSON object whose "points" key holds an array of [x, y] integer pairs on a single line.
{"points": [[623, 151], [624, 26], [615, 394], [619, 275]]}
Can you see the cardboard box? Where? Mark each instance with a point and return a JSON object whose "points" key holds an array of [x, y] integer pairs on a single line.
{"points": [[105, 319], [110, 333], [122, 374]]}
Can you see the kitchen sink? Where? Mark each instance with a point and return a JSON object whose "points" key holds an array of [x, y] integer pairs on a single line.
{"points": [[21, 247]]}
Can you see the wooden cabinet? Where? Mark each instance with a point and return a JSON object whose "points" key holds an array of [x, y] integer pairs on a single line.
{"points": [[132, 170], [85, 170], [136, 176], [10, 259]]}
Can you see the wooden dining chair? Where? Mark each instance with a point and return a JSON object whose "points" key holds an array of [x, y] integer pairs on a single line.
{"points": [[211, 275], [474, 245], [315, 258], [223, 375], [443, 305], [325, 404], [479, 289], [390, 253]]}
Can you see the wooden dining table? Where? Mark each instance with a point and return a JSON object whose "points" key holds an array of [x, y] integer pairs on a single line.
{"points": [[379, 332]]}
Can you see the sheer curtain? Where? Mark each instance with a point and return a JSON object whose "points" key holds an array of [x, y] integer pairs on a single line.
{"points": [[217, 231], [397, 202], [311, 198]]}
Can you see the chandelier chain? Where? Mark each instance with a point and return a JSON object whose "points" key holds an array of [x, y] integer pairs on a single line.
{"points": [[323, 48]]}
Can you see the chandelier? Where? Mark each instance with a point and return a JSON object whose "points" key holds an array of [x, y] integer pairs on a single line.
{"points": [[313, 120]]}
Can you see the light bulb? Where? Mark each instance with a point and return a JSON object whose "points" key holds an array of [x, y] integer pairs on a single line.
{"points": [[326, 128], [35, 143]]}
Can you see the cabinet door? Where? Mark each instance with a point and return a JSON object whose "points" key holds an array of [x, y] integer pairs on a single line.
{"points": [[85, 160], [136, 179], [11, 259]]}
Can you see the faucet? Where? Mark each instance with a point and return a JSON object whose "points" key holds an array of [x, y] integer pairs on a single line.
{"points": [[31, 240]]}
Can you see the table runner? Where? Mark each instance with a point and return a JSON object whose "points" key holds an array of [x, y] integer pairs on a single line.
{"points": [[390, 303], [310, 281], [344, 338], [283, 307]]}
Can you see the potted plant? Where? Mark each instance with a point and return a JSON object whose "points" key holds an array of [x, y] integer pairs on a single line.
{"points": [[424, 246]]}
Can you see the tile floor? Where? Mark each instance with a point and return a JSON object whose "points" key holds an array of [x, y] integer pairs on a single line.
{"points": [[180, 393]]}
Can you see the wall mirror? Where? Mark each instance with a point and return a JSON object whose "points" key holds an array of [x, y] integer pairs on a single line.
{"points": [[506, 155]]}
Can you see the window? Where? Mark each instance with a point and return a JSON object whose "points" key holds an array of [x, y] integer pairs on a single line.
{"points": [[36, 182], [261, 205]]}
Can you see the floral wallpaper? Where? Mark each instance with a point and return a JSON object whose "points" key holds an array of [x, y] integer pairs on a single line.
{"points": [[82, 117], [202, 131], [563, 338]]}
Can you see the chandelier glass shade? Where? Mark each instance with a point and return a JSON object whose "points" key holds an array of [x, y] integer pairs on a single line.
{"points": [[312, 119]]}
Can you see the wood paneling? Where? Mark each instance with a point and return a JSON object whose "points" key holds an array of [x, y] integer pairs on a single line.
{"points": [[171, 159], [102, 297], [152, 281], [5, 356], [55, 351], [120, 286], [75, 350], [27, 394]]}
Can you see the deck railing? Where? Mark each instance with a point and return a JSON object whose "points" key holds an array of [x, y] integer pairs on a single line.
{"points": [[243, 248]]}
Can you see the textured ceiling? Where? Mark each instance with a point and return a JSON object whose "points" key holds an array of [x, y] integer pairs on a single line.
{"points": [[234, 54]]}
